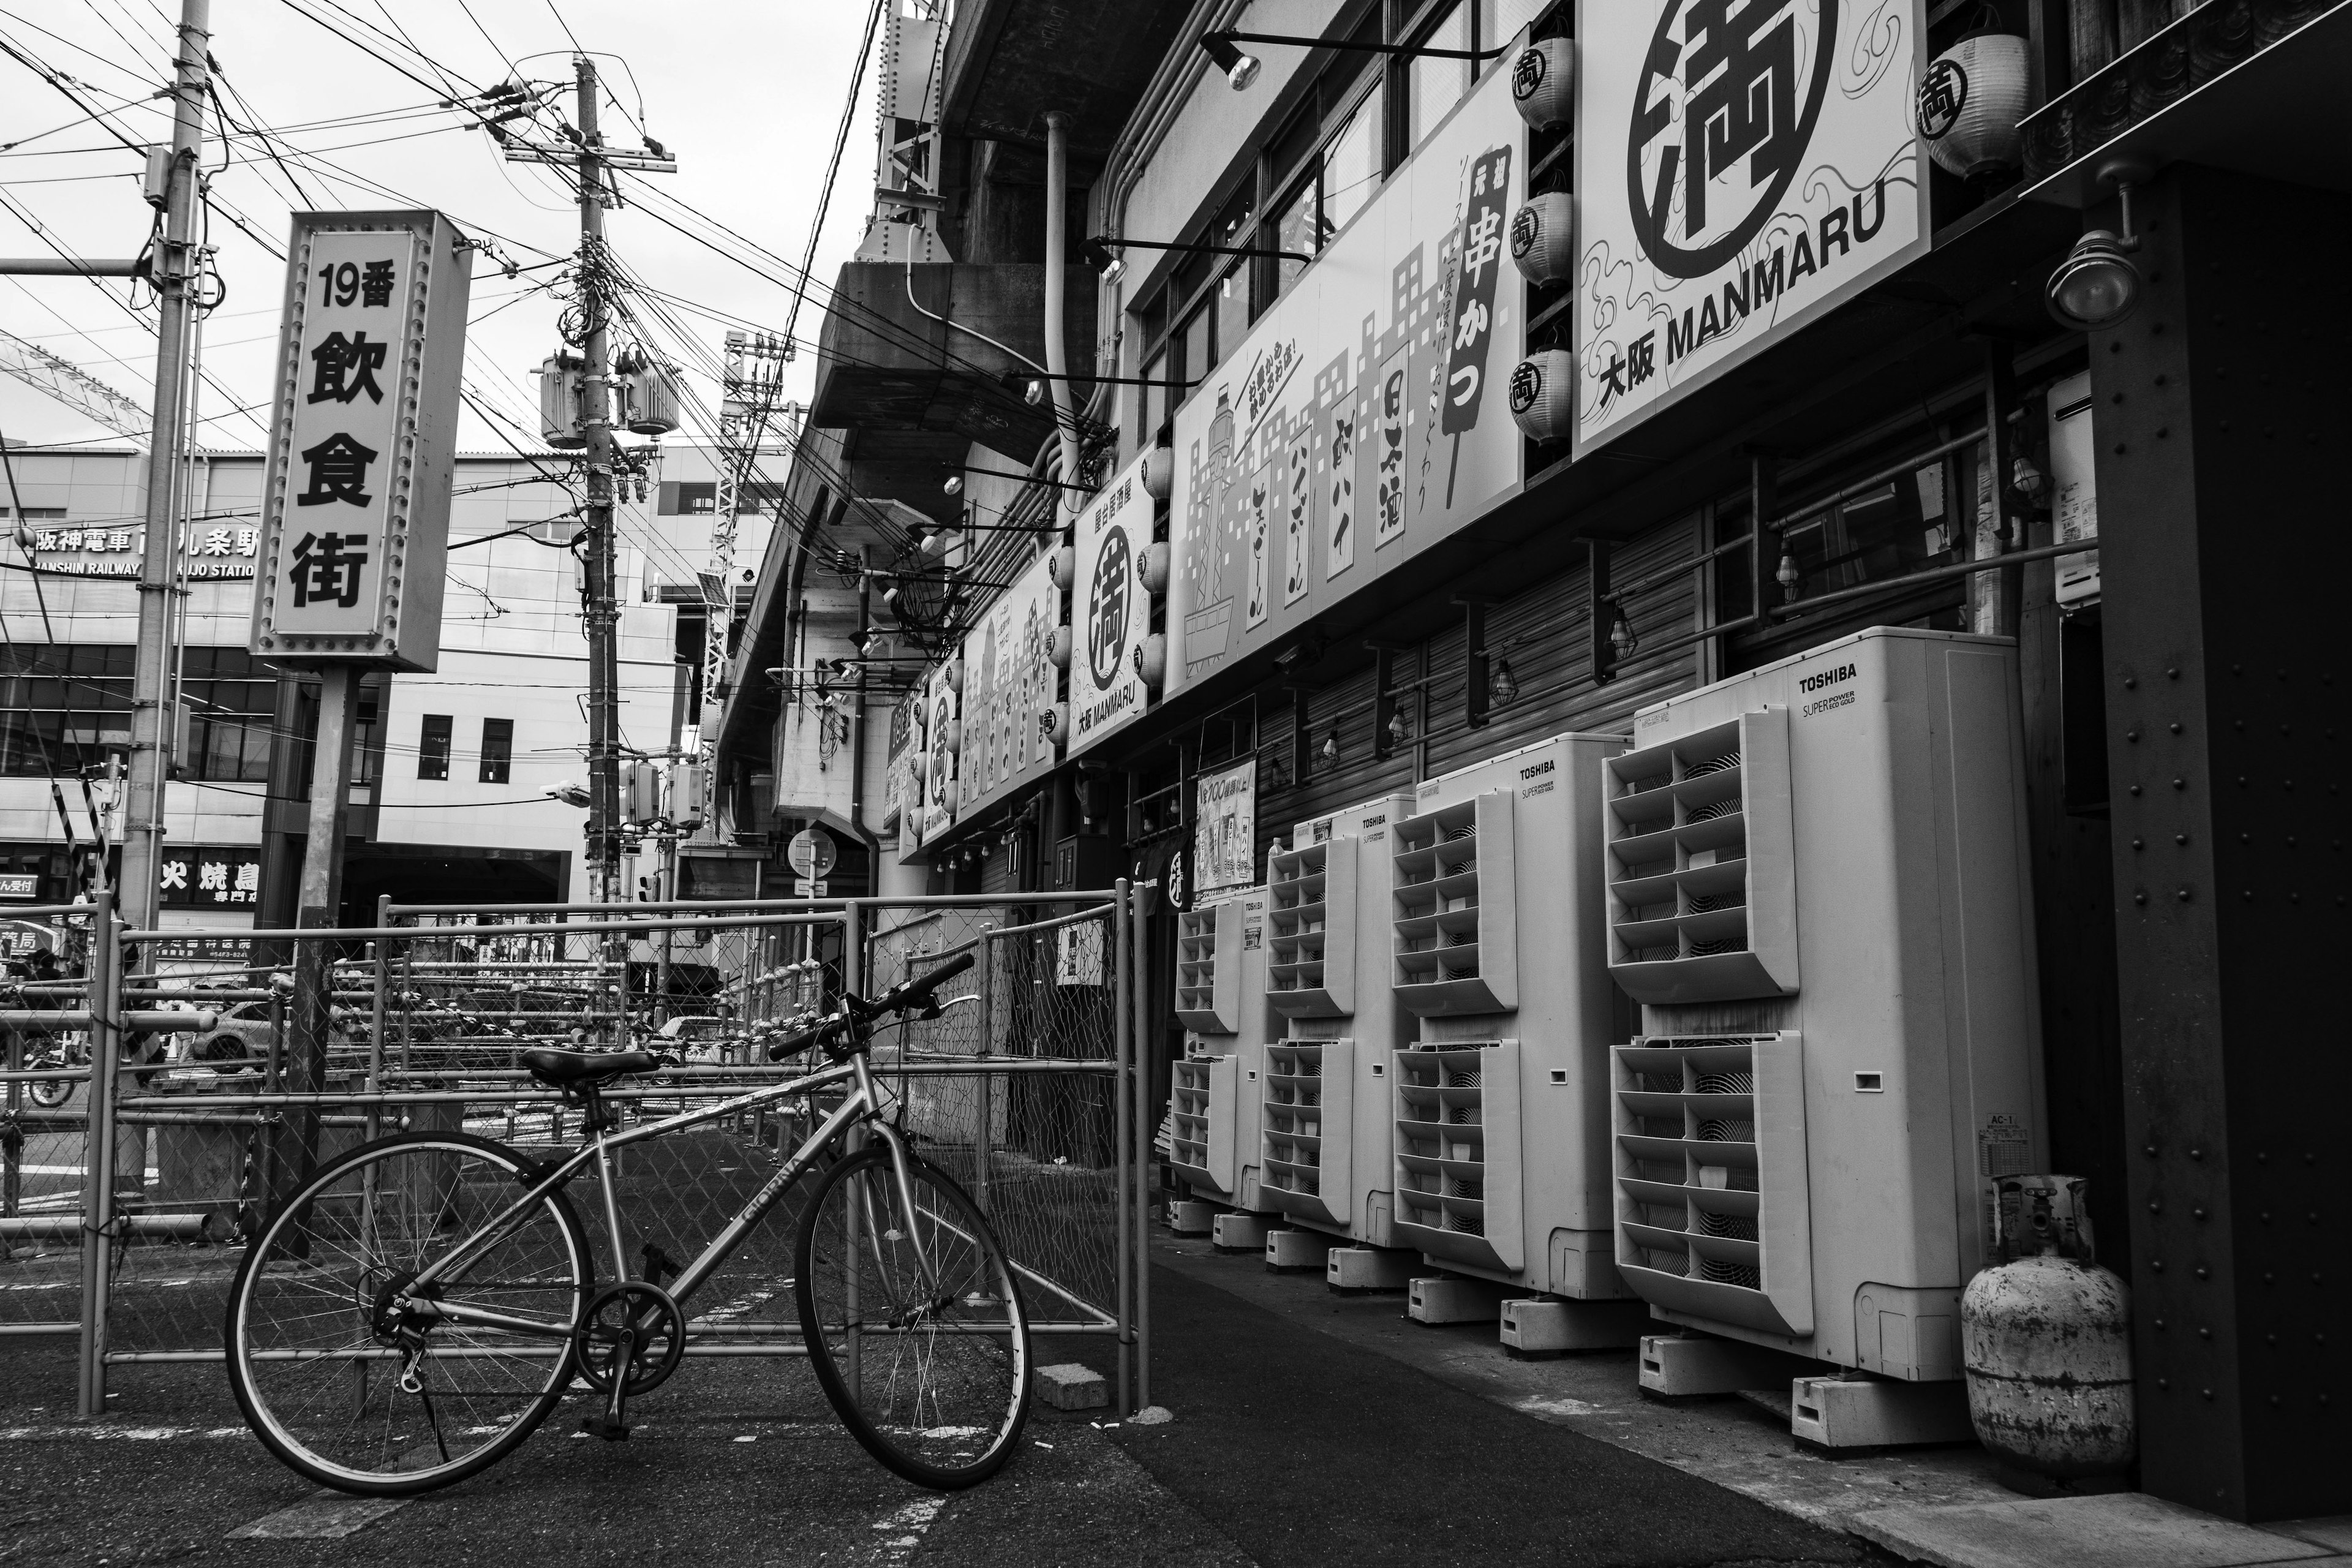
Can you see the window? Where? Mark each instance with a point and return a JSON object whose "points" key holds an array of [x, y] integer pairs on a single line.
{"points": [[366, 754], [498, 750], [35, 513], [1155, 399], [691, 499], [232, 703], [61, 706], [1434, 86], [433, 747]]}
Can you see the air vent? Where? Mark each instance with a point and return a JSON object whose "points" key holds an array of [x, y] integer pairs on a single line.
{"points": [[1307, 1165], [1310, 969], [1456, 948], [1713, 1217], [1188, 1102], [1458, 1151], [1208, 968], [1201, 1106], [1702, 894]]}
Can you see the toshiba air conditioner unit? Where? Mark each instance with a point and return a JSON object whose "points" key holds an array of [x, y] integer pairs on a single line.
{"points": [[1214, 1088], [1327, 1140], [1500, 1102], [1818, 890]]}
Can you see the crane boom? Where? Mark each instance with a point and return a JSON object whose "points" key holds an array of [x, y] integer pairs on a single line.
{"points": [[67, 382], [748, 393]]}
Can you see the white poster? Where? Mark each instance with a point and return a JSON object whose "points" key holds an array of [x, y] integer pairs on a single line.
{"points": [[1078, 954], [1110, 614], [2073, 486], [1366, 400], [1224, 828], [1008, 678], [1741, 166], [943, 738]]}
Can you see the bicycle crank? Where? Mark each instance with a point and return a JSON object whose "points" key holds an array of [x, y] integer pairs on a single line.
{"points": [[656, 1337]]}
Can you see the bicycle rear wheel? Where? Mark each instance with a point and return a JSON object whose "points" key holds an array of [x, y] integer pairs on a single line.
{"points": [[913, 1321], [316, 1342]]}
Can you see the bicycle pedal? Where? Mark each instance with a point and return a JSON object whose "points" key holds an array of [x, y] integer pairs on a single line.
{"points": [[599, 1427]]}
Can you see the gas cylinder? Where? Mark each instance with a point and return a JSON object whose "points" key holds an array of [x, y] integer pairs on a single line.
{"points": [[2045, 1339]]}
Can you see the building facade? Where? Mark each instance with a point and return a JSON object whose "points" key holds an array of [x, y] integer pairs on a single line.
{"points": [[1442, 406]]}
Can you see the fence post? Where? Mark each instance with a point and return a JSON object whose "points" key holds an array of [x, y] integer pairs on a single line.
{"points": [[1129, 1260], [1138, 972], [382, 954], [105, 992], [985, 1137]]}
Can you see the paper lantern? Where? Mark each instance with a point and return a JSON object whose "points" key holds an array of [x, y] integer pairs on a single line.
{"points": [[1062, 565], [1057, 647], [1053, 722], [1543, 83], [1971, 101], [1543, 238], [1151, 568], [1159, 473], [1543, 395], [1151, 660]]}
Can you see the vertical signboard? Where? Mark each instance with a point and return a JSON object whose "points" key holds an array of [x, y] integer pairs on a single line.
{"points": [[1008, 681], [1354, 426], [1741, 166], [2073, 487], [1110, 614], [1224, 828], [942, 739], [355, 509]]}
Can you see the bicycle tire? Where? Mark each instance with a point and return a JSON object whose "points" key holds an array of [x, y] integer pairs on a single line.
{"points": [[49, 1094], [886, 1414], [548, 1256]]}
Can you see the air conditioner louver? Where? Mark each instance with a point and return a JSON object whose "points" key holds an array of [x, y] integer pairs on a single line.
{"points": [[1713, 1215], [1702, 887], [1310, 969], [1208, 968], [1457, 1153], [1456, 916], [1308, 1152]]}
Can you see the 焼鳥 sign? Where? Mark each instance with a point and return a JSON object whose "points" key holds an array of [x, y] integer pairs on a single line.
{"points": [[355, 509], [1742, 167]]}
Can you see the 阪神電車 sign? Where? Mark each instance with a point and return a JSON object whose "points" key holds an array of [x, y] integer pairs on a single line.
{"points": [[355, 509]]}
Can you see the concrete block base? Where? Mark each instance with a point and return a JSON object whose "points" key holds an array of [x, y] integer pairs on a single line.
{"points": [[1677, 1366], [1240, 1232], [1538, 1326], [1368, 1267], [1189, 1216], [2126, 1529], [1445, 1299], [1877, 1412], [1297, 1251], [1070, 1386]]}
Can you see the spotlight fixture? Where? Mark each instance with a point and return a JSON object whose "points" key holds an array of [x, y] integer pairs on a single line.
{"points": [[1100, 257], [1034, 395], [1621, 635], [2097, 287], [1400, 728], [1240, 70], [1330, 751], [1788, 576], [1502, 686]]}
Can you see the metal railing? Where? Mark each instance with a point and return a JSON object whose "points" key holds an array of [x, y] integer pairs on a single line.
{"points": [[196, 1104]]}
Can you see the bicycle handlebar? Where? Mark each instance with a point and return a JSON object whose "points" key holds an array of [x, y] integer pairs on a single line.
{"points": [[906, 996]]}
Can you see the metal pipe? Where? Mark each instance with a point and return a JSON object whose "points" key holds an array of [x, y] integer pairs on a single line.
{"points": [[1058, 349], [1121, 1091], [1935, 573], [97, 1157], [72, 266]]}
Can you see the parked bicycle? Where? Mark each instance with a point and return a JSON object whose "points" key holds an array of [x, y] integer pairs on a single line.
{"points": [[405, 1320]]}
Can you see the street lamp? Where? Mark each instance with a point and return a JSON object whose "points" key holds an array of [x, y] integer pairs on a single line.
{"points": [[1241, 69], [567, 793], [2097, 287], [1099, 255]]}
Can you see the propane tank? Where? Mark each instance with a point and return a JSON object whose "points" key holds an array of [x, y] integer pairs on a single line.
{"points": [[2045, 1339]]}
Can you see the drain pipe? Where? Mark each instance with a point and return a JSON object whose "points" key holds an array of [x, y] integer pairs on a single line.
{"points": [[1058, 356]]}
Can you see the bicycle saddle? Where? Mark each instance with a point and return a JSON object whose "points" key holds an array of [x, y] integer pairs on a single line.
{"points": [[557, 1068]]}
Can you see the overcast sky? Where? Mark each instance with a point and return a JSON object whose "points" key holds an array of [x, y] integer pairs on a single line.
{"points": [[746, 94]]}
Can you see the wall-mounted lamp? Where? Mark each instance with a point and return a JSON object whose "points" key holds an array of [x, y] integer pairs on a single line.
{"points": [[1621, 635], [1112, 269], [1400, 728], [1503, 686], [1788, 576], [1328, 753], [2097, 287], [1242, 69]]}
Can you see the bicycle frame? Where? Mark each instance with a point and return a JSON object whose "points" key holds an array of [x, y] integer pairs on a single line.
{"points": [[860, 1105]]}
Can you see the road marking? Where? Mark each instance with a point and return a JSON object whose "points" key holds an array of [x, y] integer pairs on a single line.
{"points": [[326, 1517], [906, 1525], [96, 1433]]}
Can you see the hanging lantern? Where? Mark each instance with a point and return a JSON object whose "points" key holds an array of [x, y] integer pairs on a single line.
{"points": [[1151, 660], [1543, 83], [1062, 565], [952, 671], [1057, 647], [1159, 473], [1053, 722], [1970, 101], [1151, 568], [1543, 238], [951, 737], [1543, 395]]}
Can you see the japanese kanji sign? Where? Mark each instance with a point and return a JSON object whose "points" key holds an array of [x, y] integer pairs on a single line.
{"points": [[210, 879], [1110, 613], [1008, 681], [355, 523], [1741, 166], [1364, 418]]}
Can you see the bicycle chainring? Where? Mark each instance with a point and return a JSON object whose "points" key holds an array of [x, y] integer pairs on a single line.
{"points": [[661, 1337]]}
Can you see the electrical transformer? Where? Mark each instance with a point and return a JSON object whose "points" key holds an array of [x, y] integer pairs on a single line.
{"points": [[1326, 1139], [1500, 1099], [1214, 1089], [1817, 892]]}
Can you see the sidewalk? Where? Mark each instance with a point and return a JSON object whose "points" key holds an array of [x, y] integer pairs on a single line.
{"points": [[1937, 1505]]}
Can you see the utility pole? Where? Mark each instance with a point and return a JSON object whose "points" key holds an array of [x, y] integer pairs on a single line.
{"points": [[603, 606], [173, 276]]}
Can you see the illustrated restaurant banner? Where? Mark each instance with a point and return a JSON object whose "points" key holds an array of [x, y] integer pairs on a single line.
{"points": [[942, 734], [1110, 614], [1742, 167], [356, 511], [1008, 678], [1366, 417]]}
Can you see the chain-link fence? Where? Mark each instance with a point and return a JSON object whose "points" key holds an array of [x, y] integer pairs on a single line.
{"points": [[213, 1099]]}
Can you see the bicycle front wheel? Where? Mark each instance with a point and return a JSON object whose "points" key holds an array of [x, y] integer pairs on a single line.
{"points": [[913, 1320], [320, 1345]]}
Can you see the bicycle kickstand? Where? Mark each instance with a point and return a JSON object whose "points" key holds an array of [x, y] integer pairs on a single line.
{"points": [[613, 1425]]}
